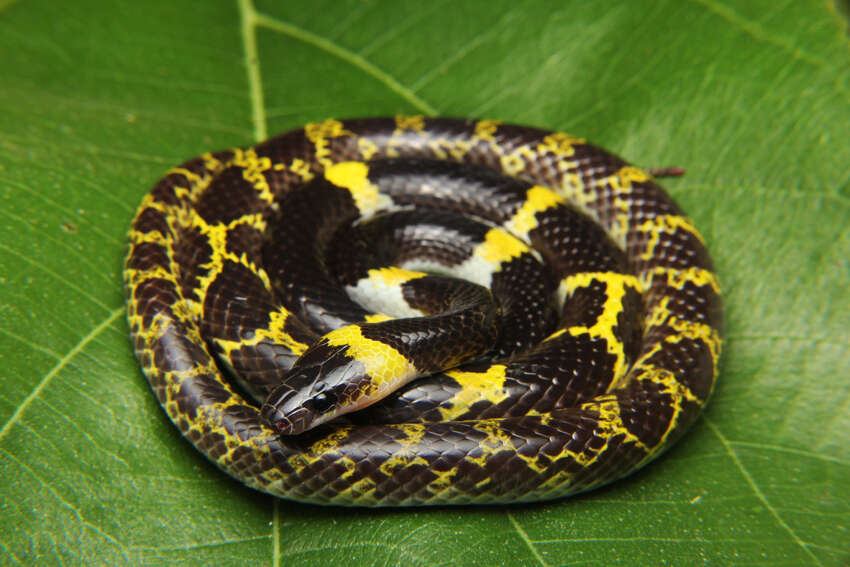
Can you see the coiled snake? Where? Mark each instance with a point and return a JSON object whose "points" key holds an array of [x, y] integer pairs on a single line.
{"points": [[595, 351]]}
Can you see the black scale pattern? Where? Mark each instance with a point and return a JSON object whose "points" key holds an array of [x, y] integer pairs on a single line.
{"points": [[560, 421]]}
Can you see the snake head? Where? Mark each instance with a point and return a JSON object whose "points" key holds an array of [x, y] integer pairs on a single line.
{"points": [[323, 384]]}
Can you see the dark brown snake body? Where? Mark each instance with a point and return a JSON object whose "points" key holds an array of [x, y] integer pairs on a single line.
{"points": [[240, 260]]}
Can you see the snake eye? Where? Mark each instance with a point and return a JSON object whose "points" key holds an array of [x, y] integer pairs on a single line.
{"points": [[323, 402]]}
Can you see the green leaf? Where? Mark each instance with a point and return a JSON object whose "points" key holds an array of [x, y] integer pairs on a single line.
{"points": [[98, 99]]}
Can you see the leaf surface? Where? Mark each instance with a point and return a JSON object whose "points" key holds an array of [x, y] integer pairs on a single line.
{"points": [[98, 99]]}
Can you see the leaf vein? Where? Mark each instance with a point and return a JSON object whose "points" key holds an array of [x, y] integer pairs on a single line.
{"points": [[777, 448], [275, 535], [248, 17], [457, 56], [60, 364], [528, 542], [66, 504], [348, 56], [56, 275], [757, 491], [759, 33], [199, 545], [31, 344], [84, 148]]}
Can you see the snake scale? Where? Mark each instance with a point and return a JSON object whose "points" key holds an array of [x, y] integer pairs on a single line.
{"points": [[244, 266]]}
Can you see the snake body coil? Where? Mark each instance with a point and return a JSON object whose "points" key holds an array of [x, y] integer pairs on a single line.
{"points": [[244, 260]]}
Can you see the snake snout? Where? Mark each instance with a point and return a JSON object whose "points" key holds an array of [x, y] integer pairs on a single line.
{"points": [[284, 422]]}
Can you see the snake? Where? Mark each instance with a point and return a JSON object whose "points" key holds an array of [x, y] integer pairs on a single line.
{"points": [[416, 311]]}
